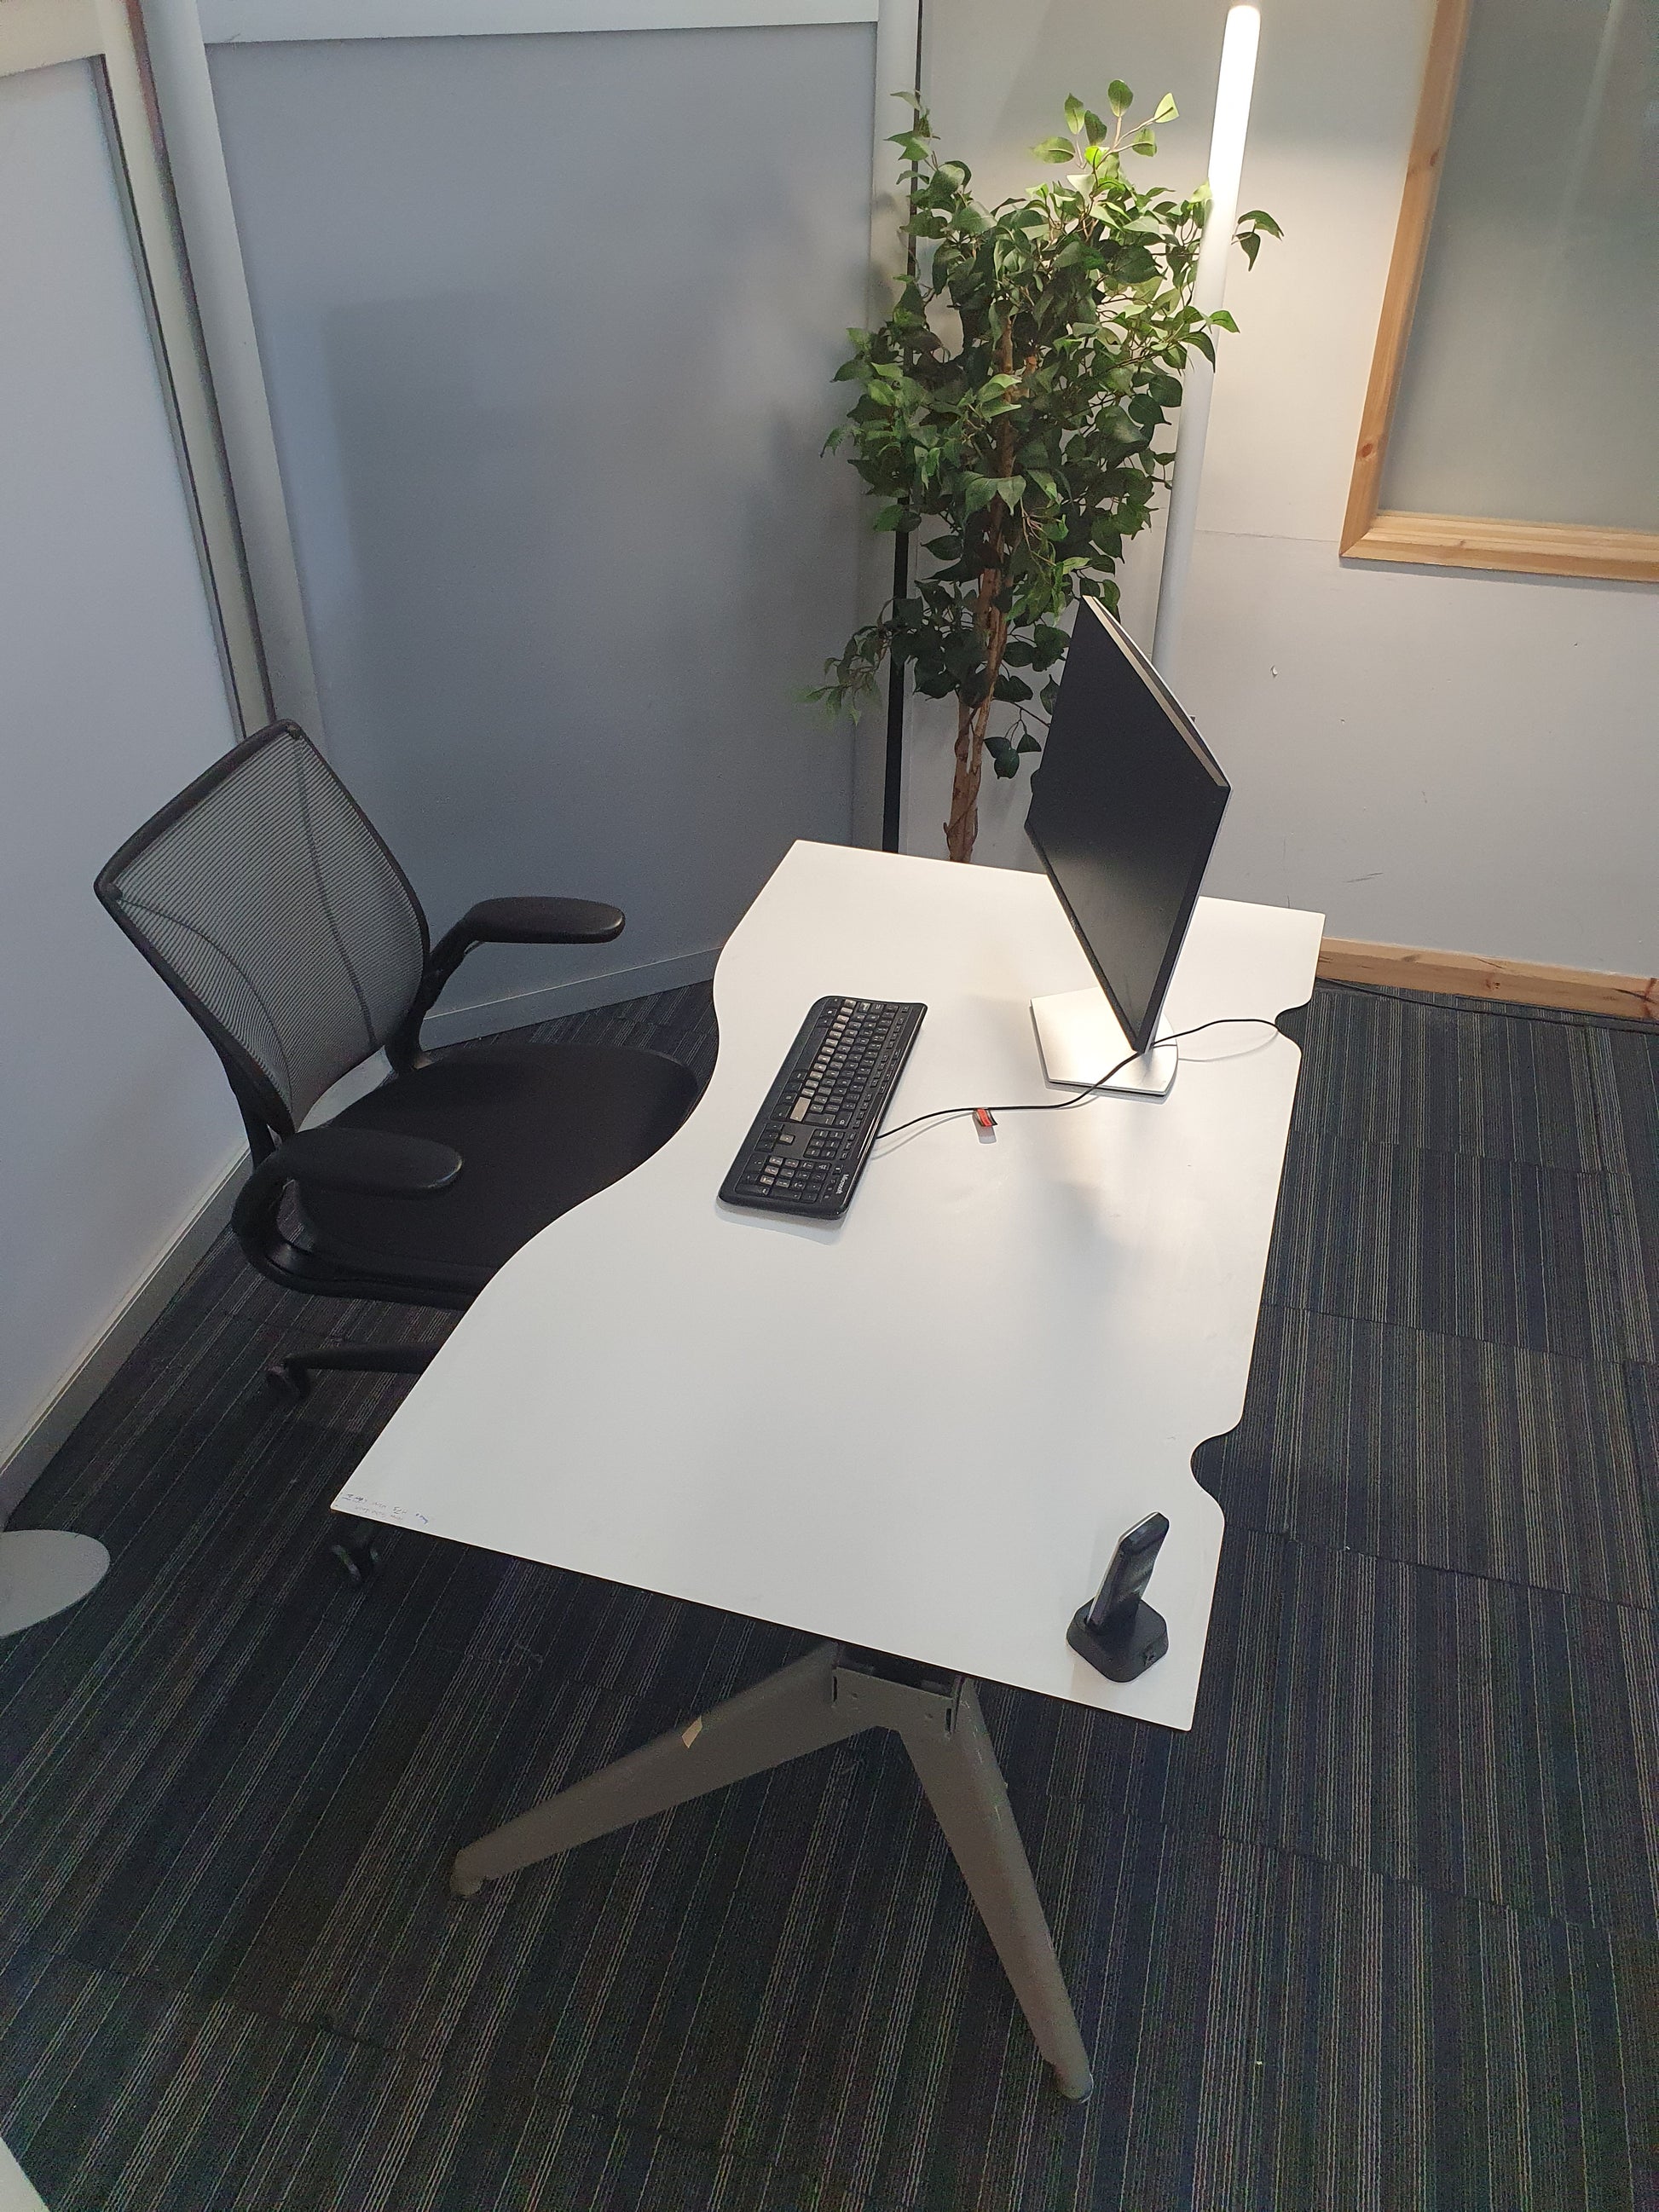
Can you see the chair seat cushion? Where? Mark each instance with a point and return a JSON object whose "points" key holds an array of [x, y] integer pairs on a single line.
{"points": [[538, 1128]]}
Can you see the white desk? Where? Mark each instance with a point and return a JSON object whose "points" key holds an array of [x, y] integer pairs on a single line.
{"points": [[921, 1431]]}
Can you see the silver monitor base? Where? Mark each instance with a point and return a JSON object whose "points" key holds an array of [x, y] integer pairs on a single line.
{"points": [[1080, 1037]]}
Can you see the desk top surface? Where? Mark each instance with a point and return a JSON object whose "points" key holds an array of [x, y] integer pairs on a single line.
{"points": [[923, 1429]]}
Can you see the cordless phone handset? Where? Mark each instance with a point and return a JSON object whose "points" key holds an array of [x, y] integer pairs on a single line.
{"points": [[1119, 1633]]}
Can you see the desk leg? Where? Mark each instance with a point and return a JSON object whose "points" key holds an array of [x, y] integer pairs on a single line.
{"points": [[832, 1694], [790, 1713], [959, 1772]]}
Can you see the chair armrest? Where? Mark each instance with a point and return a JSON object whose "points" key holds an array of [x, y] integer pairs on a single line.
{"points": [[498, 921], [377, 1163], [538, 921]]}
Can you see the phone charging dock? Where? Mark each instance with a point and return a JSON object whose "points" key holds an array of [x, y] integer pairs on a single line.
{"points": [[1125, 1646]]}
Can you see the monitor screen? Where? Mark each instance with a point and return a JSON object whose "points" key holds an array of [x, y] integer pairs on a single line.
{"points": [[1125, 807]]}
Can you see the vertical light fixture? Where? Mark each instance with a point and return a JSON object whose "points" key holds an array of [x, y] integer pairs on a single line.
{"points": [[1233, 122]]}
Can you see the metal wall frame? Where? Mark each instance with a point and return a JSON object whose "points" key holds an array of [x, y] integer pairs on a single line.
{"points": [[40, 34], [178, 33]]}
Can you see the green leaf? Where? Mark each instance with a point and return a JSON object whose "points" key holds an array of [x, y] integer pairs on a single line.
{"points": [[1221, 321], [1056, 149], [1007, 764], [1075, 111], [1119, 95], [1251, 241], [981, 490], [1028, 744], [1144, 140], [1166, 110], [1090, 278], [1263, 220]]}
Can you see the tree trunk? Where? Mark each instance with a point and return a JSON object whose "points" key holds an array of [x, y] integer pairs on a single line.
{"points": [[963, 828]]}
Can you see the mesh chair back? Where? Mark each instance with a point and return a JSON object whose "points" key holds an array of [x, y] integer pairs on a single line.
{"points": [[266, 900]]}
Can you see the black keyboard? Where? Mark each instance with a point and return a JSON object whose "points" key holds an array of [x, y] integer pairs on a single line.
{"points": [[810, 1139]]}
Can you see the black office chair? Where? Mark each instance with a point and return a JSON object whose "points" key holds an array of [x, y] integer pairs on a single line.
{"points": [[266, 901]]}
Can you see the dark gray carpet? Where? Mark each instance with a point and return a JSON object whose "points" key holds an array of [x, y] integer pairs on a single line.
{"points": [[1381, 1932]]}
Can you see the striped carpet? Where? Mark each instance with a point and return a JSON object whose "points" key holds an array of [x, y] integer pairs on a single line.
{"points": [[1380, 1933]]}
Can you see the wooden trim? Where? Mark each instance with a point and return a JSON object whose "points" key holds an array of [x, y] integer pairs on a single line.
{"points": [[1528, 549], [1370, 533], [1446, 41], [1474, 975]]}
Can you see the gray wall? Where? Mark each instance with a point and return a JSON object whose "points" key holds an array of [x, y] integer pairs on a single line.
{"points": [[549, 324], [115, 1121], [1430, 756]]}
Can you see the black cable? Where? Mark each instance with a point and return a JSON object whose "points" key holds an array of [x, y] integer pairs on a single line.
{"points": [[1084, 1090]]}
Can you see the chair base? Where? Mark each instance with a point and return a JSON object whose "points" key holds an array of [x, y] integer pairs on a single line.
{"points": [[355, 1551], [291, 1377]]}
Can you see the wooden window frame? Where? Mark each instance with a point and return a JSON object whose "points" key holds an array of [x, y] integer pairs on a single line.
{"points": [[1371, 533]]}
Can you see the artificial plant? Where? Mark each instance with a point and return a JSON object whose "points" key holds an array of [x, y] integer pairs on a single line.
{"points": [[1013, 398]]}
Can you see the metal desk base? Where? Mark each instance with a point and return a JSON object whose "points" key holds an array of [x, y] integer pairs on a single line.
{"points": [[833, 1693]]}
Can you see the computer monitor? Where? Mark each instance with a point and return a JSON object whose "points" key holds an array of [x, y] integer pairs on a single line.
{"points": [[1126, 804]]}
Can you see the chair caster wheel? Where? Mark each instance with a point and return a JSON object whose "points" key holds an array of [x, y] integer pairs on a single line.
{"points": [[288, 1382], [358, 1562]]}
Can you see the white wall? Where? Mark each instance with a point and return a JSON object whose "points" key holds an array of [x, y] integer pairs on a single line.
{"points": [[115, 1121], [1429, 756]]}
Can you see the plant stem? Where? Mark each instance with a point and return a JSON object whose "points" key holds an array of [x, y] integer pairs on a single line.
{"points": [[962, 829]]}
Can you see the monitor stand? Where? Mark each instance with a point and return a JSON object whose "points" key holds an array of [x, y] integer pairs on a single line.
{"points": [[1080, 1037]]}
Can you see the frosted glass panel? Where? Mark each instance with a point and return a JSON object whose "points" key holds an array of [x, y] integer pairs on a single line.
{"points": [[550, 326], [1531, 386]]}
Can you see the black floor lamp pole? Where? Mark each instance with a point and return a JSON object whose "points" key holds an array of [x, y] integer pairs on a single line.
{"points": [[893, 787]]}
